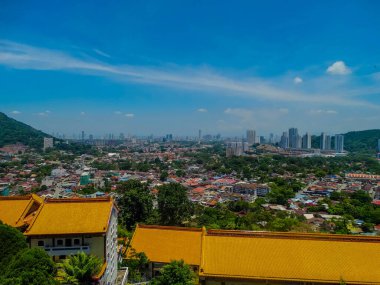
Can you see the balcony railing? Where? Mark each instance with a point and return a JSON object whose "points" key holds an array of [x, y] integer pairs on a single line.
{"points": [[66, 250]]}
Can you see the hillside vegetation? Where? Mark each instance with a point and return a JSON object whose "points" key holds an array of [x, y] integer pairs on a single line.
{"points": [[364, 142], [13, 131]]}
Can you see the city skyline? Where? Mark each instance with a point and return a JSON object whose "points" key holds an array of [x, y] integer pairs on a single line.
{"points": [[169, 67]]}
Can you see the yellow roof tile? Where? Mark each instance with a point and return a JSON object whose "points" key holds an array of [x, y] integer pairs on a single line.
{"points": [[292, 257], [265, 256], [163, 244], [12, 208], [72, 216]]}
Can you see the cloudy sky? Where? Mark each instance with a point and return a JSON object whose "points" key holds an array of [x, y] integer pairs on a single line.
{"points": [[157, 67]]}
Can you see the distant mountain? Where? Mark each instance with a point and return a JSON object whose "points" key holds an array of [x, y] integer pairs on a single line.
{"points": [[356, 141], [13, 131]]}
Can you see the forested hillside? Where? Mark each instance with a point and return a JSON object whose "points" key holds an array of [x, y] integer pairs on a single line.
{"points": [[356, 141], [13, 131]]}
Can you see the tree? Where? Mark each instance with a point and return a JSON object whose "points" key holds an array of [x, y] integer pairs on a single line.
{"points": [[137, 264], [164, 175], [176, 273], [12, 241], [29, 267], [173, 205], [80, 268], [136, 203]]}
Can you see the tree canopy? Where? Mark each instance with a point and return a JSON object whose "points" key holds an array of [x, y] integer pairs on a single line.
{"points": [[173, 205], [80, 268], [175, 273], [12, 241], [29, 267], [135, 202]]}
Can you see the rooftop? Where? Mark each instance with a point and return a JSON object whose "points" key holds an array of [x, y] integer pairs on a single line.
{"points": [[250, 255], [72, 216]]}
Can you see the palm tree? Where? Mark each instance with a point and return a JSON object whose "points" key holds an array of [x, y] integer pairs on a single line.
{"points": [[79, 269]]}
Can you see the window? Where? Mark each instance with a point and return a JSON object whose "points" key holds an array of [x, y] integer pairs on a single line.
{"points": [[76, 241], [59, 242], [68, 242], [41, 243]]}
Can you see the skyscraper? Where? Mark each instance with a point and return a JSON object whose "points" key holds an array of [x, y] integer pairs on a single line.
{"points": [[328, 143], [339, 143], [306, 141], [251, 137], [294, 139], [322, 143], [284, 142], [199, 135]]}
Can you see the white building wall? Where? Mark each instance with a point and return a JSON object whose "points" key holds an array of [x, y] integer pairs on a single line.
{"points": [[111, 250]]}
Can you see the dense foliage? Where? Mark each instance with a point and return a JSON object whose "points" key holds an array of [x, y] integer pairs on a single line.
{"points": [[12, 132], [79, 269], [173, 205], [266, 168], [12, 241], [135, 202], [29, 267], [175, 273]]}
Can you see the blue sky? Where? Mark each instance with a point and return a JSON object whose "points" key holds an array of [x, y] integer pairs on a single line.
{"points": [[157, 67]]}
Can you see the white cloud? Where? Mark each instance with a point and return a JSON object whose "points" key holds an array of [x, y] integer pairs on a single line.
{"points": [[130, 115], [22, 56], [82, 113], [284, 110], [44, 114], [102, 53], [202, 110], [118, 113], [338, 68], [323, 112], [244, 114], [297, 80], [15, 112]]}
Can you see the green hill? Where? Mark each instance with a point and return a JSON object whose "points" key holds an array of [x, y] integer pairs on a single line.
{"points": [[362, 141], [356, 141], [13, 131]]}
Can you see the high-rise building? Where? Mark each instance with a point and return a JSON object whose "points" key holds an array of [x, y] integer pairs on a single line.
{"points": [[294, 139], [378, 145], [328, 143], [306, 141], [271, 138], [82, 135], [48, 143], [284, 142], [339, 143], [298, 141], [234, 149], [251, 137], [199, 135], [322, 143]]}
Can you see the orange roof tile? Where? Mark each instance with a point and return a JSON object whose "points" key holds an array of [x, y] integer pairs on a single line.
{"points": [[163, 244], [294, 257], [12, 208], [72, 216]]}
